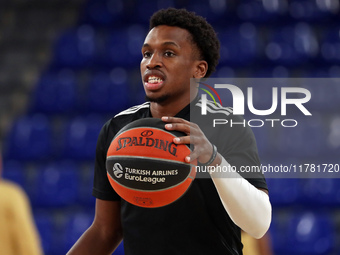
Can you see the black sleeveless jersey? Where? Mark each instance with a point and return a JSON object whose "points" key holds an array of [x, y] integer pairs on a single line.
{"points": [[197, 223]]}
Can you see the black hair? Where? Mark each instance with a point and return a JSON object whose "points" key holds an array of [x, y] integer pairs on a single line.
{"points": [[203, 34]]}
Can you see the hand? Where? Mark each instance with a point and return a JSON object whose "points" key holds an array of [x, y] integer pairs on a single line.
{"points": [[202, 147]]}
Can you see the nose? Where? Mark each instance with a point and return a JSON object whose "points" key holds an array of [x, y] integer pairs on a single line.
{"points": [[155, 61]]}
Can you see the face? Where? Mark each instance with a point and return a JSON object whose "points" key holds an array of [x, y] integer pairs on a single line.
{"points": [[169, 61]]}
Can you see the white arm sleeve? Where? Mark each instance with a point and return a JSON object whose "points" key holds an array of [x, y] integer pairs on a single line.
{"points": [[248, 207]]}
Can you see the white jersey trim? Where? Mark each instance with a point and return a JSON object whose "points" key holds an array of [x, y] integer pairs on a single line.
{"points": [[133, 109]]}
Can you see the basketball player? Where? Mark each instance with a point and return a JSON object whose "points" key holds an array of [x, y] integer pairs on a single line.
{"points": [[207, 219]]}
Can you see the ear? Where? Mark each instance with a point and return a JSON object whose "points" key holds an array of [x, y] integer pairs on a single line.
{"points": [[201, 69]]}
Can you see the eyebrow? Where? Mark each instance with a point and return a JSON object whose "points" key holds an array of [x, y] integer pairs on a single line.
{"points": [[163, 44]]}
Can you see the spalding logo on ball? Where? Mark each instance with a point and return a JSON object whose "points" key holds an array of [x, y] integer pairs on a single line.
{"points": [[145, 167]]}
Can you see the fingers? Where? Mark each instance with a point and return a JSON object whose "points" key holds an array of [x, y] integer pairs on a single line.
{"points": [[181, 125], [185, 128], [182, 140], [173, 119], [178, 124], [194, 136]]}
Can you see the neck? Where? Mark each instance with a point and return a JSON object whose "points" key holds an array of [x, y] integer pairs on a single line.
{"points": [[159, 110]]}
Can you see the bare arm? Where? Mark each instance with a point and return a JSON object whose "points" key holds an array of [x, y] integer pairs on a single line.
{"points": [[105, 233]]}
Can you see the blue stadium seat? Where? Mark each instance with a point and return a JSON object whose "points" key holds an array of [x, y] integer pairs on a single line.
{"points": [[323, 71], [216, 12], [79, 137], [138, 96], [310, 233], [307, 139], [46, 228], [223, 71], [141, 11], [75, 225], [330, 45], [76, 48], [283, 191], [321, 192], [30, 138], [103, 13], [55, 185], [303, 232], [280, 72], [14, 171], [334, 137], [239, 45], [292, 45], [85, 197], [325, 94], [260, 11], [313, 11], [55, 93], [108, 92], [121, 47]]}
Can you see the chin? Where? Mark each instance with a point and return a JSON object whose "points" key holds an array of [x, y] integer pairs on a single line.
{"points": [[157, 99]]}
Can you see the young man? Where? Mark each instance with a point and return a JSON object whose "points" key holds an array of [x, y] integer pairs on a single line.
{"points": [[207, 218]]}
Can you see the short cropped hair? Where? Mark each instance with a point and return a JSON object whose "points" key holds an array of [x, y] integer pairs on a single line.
{"points": [[203, 34]]}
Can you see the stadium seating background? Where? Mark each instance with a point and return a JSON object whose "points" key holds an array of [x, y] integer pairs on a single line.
{"points": [[93, 74]]}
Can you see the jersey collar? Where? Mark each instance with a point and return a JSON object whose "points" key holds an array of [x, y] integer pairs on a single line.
{"points": [[185, 112]]}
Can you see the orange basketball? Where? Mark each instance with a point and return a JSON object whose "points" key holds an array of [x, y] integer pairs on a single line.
{"points": [[145, 167]]}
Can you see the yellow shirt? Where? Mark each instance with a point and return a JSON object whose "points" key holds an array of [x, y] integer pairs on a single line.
{"points": [[250, 246], [18, 233]]}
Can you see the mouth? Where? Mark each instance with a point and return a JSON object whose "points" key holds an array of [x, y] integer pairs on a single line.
{"points": [[153, 82]]}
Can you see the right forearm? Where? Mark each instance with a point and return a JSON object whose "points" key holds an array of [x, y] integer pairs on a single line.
{"points": [[94, 241]]}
